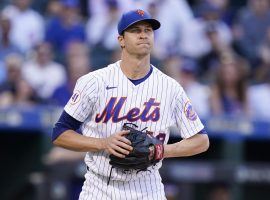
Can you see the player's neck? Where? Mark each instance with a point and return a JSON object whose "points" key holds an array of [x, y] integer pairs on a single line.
{"points": [[135, 68]]}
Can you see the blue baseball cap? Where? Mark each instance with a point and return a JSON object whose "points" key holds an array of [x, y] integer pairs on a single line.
{"points": [[134, 16]]}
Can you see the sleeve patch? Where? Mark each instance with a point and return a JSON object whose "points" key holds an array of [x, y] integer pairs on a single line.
{"points": [[75, 98], [190, 112]]}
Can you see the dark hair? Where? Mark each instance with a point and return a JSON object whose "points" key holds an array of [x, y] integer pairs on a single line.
{"points": [[241, 68]]}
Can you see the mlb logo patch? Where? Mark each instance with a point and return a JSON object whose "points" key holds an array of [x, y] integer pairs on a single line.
{"points": [[75, 98]]}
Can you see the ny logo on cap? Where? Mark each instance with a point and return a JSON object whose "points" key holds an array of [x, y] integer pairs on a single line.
{"points": [[140, 12]]}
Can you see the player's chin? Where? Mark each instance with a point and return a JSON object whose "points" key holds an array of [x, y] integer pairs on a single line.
{"points": [[144, 51]]}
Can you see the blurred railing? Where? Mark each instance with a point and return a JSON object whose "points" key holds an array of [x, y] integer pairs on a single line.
{"points": [[39, 118]]}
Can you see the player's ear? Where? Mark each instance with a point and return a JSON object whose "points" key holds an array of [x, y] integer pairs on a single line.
{"points": [[121, 41]]}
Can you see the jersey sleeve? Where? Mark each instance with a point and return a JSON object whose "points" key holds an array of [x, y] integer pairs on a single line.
{"points": [[83, 99], [185, 116]]}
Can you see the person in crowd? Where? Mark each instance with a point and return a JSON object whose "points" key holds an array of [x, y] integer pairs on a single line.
{"points": [[210, 61], [15, 90], [259, 101], [42, 73], [27, 25], [261, 70], [180, 28], [78, 64], [229, 91], [194, 40], [101, 30], [63, 29], [53, 9], [6, 45], [250, 28], [101, 33], [226, 11]]}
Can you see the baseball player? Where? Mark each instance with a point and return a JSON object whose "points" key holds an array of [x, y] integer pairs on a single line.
{"points": [[130, 90]]}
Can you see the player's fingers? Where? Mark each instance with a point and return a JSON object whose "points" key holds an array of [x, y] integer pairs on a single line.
{"points": [[124, 145], [121, 150], [117, 154], [125, 140], [124, 132]]}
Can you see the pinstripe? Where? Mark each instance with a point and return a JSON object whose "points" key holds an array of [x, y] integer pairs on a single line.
{"points": [[107, 135], [167, 118], [141, 188], [158, 95], [99, 154], [165, 101], [103, 157], [156, 186], [128, 183], [145, 185], [94, 177], [125, 106], [182, 125], [153, 86]]}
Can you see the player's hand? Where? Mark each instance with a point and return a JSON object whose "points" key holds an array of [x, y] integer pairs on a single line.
{"points": [[117, 144]]}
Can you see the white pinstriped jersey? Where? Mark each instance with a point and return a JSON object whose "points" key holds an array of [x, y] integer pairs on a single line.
{"points": [[106, 99]]}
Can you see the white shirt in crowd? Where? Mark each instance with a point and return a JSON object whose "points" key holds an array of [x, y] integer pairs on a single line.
{"points": [[44, 79], [27, 27], [259, 101]]}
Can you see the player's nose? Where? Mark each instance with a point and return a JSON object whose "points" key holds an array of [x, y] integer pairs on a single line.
{"points": [[142, 34]]}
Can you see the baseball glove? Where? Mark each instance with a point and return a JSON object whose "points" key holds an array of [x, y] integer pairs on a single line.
{"points": [[147, 150]]}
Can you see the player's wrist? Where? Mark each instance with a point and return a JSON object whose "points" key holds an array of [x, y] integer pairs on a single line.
{"points": [[167, 151], [101, 144], [94, 144]]}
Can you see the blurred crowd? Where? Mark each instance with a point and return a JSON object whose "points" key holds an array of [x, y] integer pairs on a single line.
{"points": [[218, 52]]}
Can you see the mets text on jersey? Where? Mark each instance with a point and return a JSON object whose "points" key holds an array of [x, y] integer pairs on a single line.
{"points": [[113, 107]]}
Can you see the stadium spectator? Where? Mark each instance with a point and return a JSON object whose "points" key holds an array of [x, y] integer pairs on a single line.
{"points": [[220, 192], [6, 46], [173, 37], [210, 14], [53, 9], [78, 64], [15, 90], [42, 73], [229, 91], [261, 72], [101, 31], [171, 66], [13, 64], [67, 27], [250, 28], [259, 101], [25, 94], [101, 7], [210, 61], [77, 50], [226, 11], [27, 25], [102, 34]]}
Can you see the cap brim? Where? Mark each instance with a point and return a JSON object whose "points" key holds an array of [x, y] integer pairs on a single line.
{"points": [[153, 22]]}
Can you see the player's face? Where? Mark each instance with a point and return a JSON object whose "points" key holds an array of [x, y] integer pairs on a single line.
{"points": [[138, 39]]}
